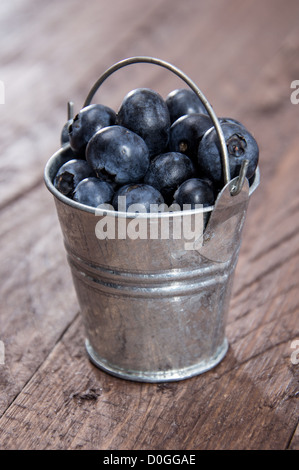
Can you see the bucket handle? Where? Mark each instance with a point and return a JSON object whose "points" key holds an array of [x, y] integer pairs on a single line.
{"points": [[235, 189]]}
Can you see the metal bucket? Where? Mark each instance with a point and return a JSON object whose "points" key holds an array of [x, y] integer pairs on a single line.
{"points": [[154, 308]]}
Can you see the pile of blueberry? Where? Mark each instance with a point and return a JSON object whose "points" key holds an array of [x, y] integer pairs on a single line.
{"points": [[152, 151]]}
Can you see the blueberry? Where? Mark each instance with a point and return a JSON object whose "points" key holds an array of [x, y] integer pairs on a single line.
{"points": [[240, 144], [183, 101], [70, 174], [144, 112], [93, 192], [167, 171], [186, 133], [119, 154], [141, 194], [195, 191], [86, 123]]}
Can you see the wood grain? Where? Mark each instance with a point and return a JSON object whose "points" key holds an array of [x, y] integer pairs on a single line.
{"points": [[244, 56]]}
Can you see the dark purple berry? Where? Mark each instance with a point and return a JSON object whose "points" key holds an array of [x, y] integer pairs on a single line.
{"points": [[70, 174], [118, 154], [167, 171], [142, 194], [93, 192], [240, 144], [195, 191], [186, 133], [183, 101], [223, 120]]}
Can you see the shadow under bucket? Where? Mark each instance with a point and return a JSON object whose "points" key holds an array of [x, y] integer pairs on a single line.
{"points": [[154, 308]]}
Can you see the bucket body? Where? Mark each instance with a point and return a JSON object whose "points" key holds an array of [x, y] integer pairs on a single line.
{"points": [[154, 309]]}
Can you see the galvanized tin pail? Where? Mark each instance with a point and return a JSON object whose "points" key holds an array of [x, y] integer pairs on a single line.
{"points": [[154, 308]]}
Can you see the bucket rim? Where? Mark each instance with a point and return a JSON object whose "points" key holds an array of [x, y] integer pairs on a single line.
{"points": [[49, 176]]}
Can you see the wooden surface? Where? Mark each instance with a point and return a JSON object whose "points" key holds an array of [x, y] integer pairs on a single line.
{"points": [[244, 56]]}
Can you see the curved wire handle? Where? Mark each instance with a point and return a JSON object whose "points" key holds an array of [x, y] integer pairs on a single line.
{"points": [[193, 86]]}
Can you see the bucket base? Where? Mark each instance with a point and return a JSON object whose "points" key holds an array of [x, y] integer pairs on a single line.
{"points": [[157, 376]]}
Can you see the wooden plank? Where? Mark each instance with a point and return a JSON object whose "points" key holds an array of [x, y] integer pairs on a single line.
{"points": [[37, 295], [71, 405], [294, 444], [38, 84]]}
